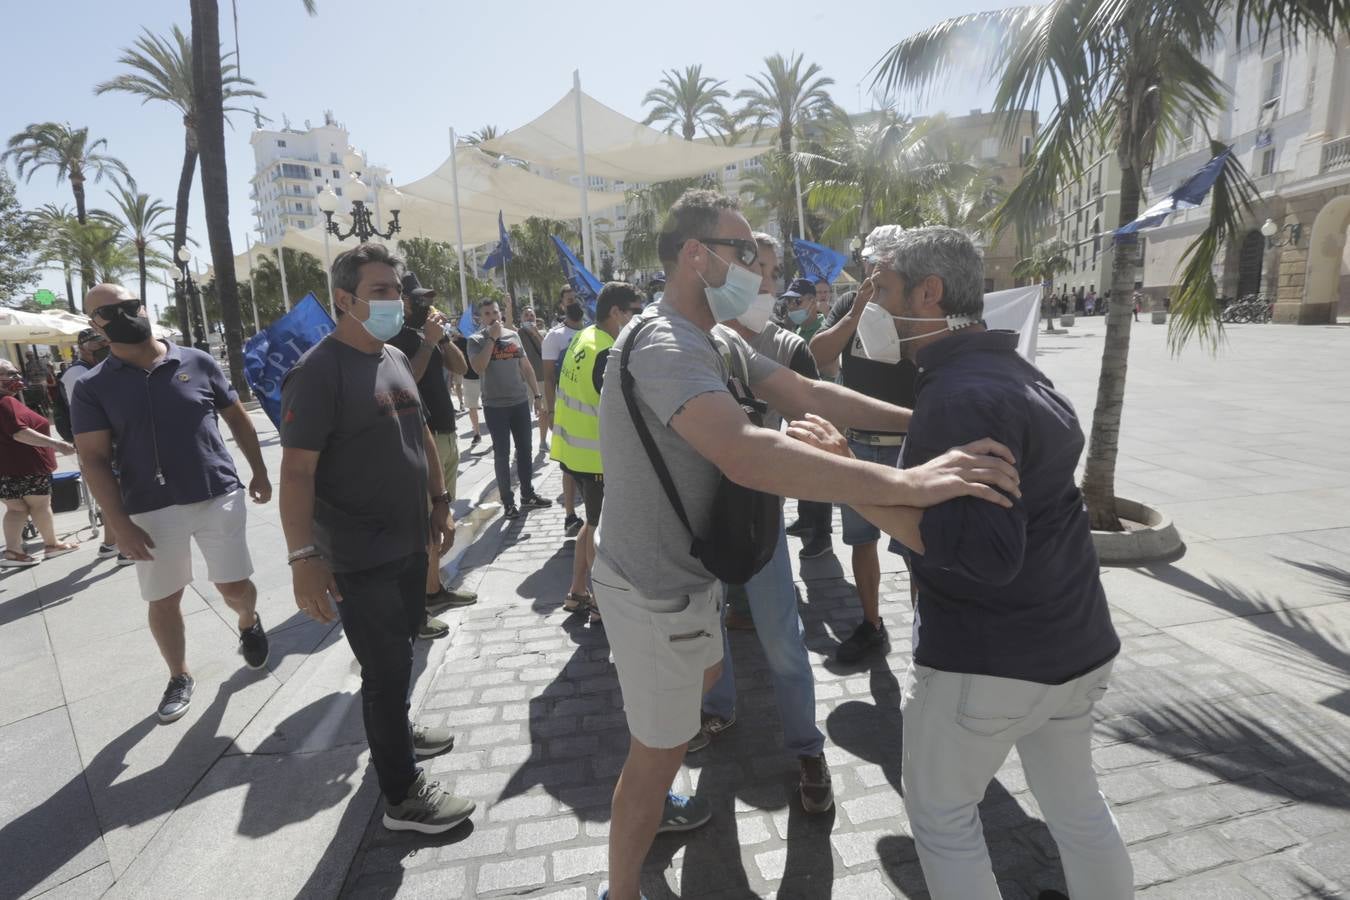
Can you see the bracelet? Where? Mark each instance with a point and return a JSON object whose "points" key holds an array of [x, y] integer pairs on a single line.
{"points": [[314, 555], [302, 553], [443, 497]]}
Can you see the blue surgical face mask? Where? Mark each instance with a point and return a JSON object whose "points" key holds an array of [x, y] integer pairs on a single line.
{"points": [[798, 316], [385, 319], [733, 297]]}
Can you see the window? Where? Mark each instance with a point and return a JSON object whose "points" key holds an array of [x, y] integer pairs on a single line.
{"points": [[1268, 161], [318, 173], [299, 207], [281, 143], [1026, 148], [336, 174], [1274, 77], [338, 191], [989, 285]]}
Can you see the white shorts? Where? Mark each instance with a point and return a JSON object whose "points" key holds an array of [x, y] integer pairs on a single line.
{"points": [[660, 653], [473, 390], [218, 525]]}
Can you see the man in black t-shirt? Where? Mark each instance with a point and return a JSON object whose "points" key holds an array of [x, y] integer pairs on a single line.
{"points": [[430, 354], [837, 344]]}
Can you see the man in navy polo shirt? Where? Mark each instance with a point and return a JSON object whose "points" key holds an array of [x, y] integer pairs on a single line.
{"points": [[1013, 642], [152, 406]]}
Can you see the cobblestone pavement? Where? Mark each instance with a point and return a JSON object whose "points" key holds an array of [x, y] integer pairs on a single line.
{"points": [[1223, 787]]}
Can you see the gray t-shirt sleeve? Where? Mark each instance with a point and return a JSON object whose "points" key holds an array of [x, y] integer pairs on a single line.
{"points": [[309, 407], [670, 368], [760, 366]]}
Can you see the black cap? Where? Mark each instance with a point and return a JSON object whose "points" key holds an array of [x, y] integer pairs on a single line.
{"points": [[89, 334], [412, 289], [800, 287]]}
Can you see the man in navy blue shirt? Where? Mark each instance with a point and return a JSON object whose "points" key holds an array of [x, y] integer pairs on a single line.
{"points": [[151, 407], [1013, 641]]}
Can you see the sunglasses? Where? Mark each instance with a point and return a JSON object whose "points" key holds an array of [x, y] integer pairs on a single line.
{"points": [[108, 311], [746, 251]]}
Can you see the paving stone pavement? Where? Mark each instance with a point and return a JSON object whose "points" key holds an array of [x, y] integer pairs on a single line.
{"points": [[1222, 787]]}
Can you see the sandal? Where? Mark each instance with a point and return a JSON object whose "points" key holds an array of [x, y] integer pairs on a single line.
{"points": [[55, 550], [578, 603], [16, 560]]}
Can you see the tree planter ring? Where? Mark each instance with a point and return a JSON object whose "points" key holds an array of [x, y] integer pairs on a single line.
{"points": [[1065, 321], [1154, 539], [1159, 317]]}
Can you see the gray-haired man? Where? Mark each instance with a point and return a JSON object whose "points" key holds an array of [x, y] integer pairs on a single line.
{"points": [[1013, 638]]}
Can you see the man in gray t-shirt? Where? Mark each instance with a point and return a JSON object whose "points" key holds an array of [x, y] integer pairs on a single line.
{"points": [[507, 377], [661, 606]]}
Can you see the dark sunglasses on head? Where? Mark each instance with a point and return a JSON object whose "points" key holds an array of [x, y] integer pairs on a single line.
{"points": [[746, 251], [109, 310]]}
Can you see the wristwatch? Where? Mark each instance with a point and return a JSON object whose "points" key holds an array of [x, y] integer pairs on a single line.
{"points": [[442, 497]]}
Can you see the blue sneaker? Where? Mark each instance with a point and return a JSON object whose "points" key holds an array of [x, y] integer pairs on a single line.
{"points": [[684, 813]]}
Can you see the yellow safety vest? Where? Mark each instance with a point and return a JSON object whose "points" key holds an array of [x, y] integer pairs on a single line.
{"points": [[576, 414]]}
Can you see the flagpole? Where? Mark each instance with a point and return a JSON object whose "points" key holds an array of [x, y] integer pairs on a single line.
{"points": [[248, 243], [587, 249], [328, 273], [459, 228], [281, 260]]}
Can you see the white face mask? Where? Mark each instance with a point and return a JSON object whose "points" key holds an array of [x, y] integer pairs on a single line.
{"points": [[879, 341], [756, 318], [731, 298]]}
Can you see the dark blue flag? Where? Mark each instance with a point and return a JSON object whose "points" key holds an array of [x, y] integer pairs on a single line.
{"points": [[817, 262], [270, 353], [583, 282], [1190, 195], [501, 255]]}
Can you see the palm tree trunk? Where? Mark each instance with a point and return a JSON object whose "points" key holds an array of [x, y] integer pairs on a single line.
{"points": [[1099, 476], [215, 185], [87, 279], [140, 265], [70, 287], [180, 214]]}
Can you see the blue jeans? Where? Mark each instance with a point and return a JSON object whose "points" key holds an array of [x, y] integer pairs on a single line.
{"points": [[773, 605], [505, 424], [858, 530]]}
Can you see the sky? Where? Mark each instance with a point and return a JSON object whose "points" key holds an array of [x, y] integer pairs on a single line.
{"points": [[400, 79]]}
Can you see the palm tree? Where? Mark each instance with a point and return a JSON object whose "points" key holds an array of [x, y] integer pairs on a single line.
{"points": [[1129, 75], [964, 204], [534, 260], [786, 97], [208, 92], [688, 100], [647, 207], [773, 192], [881, 169], [52, 223], [102, 242], [75, 157], [160, 68], [1047, 260], [141, 217]]}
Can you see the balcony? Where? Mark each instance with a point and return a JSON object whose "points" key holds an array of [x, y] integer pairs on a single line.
{"points": [[1336, 155]]}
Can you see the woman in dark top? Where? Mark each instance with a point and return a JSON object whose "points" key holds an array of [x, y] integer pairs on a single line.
{"points": [[27, 460]]}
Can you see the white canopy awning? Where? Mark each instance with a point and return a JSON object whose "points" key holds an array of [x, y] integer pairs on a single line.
{"points": [[616, 146]]}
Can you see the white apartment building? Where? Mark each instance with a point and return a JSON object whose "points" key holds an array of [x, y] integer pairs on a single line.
{"points": [[1086, 212], [1288, 121], [292, 166]]}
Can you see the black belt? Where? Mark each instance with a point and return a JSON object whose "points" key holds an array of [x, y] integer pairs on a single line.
{"points": [[875, 438]]}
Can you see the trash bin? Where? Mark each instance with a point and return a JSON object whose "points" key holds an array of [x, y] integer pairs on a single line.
{"points": [[65, 491]]}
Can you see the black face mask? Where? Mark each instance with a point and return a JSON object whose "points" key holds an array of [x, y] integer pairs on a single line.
{"points": [[575, 311], [100, 354], [125, 329], [418, 317]]}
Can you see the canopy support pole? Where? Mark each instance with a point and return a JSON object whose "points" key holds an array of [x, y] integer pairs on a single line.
{"points": [[281, 264], [797, 173], [459, 228], [587, 249]]}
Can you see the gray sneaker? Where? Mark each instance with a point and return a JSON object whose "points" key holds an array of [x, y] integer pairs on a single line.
{"points": [[177, 698], [427, 809], [430, 740], [712, 727], [432, 629]]}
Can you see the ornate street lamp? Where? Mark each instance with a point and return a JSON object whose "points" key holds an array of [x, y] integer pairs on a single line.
{"points": [[1270, 229], [183, 281], [363, 226]]}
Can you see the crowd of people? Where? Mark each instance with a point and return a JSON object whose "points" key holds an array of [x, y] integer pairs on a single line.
{"points": [[681, 417]]}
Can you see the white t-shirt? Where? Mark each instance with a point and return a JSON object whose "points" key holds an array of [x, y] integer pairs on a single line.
{"points": [[76, 373], [556, 342]]}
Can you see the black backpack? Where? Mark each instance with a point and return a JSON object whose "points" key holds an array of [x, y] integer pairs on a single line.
{"points": [[744, 521]]}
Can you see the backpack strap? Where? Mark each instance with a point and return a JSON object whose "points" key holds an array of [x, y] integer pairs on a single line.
{"points": [[627, 382]]}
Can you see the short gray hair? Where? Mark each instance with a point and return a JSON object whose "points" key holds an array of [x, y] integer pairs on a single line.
{"points": [[767, 240], [947, 253], [346, 272]]}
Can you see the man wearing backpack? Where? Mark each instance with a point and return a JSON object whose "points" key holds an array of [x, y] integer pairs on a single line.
{"points": [[661, 603]]}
